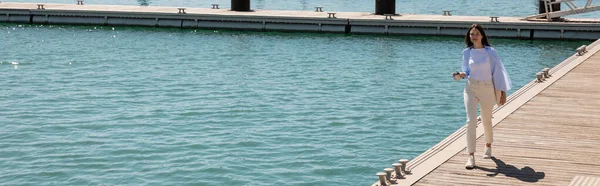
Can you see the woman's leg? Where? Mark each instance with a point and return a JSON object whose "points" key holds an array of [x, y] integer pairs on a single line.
{"points": [[471, 102], [487, 102]]}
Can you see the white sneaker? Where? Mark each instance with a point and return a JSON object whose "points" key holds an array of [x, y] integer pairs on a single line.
{"points": [[488, 153], [470, 162]]}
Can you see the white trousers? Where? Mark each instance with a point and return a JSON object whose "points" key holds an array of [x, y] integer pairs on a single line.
{"points": [[479, 92]]}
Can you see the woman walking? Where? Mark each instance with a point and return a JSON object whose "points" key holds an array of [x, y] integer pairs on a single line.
{"points": [[486, 78]]}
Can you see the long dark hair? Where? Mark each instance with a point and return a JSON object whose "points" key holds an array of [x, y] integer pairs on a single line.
{"points": [[484, 37]]}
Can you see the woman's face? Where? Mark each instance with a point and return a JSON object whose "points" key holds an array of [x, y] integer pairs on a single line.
{"points": [[475, 35]]}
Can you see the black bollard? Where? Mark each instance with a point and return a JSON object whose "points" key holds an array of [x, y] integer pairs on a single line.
{"points": [[240, 5], [385, 7], [542, 8]]}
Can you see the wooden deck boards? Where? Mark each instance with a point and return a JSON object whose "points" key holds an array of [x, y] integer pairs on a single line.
{"points": [[547, 141]]}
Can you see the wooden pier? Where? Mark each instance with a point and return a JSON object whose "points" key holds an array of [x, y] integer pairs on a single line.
{"points": [[320, 20], [547, 134]]}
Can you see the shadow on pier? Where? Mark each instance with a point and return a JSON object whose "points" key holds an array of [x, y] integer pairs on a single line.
{"points": [[526, 174]]}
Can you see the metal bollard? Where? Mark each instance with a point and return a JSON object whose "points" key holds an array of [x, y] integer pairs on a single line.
{"points": [[494, 19], [403, 162], [388, 174], [582, 50], [331, 15], [447, 13], [381, 178], [318, 9], [539, 76], [388, 16], [546, 72], [398, 170]]}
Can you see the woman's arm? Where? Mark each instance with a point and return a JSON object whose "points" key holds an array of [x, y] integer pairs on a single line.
{"points": [[465, 64], [500, 76], [503, 98]]}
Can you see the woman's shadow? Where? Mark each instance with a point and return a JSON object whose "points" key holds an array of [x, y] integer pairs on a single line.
{"points": [[526, 174]]}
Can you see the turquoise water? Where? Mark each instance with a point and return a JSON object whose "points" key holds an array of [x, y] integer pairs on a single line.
{"points": [[144, 106], [519, 8]]}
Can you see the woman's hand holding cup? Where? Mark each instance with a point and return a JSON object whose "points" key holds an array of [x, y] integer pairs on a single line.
{"points": [[458, 75]]}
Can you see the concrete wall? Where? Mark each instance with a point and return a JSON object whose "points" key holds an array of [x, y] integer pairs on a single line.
{"points": [[39, 19], [230, 25], [131, 21], [453, 31], [189, 24], [74, 20], [413, 30], [169, 23], [18, 18], [502, 33], [525, 33], [582, 34], [333, 28], [368, 29], [292, 27], [547, 34]]}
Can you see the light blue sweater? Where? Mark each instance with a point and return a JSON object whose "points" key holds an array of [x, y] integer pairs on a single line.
{"points": [[499, 74]]}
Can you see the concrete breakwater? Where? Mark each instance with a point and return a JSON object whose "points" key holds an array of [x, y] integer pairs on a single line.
{"points": [[304, 21]]}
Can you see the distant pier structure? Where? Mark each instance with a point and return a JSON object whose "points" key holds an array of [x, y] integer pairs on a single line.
{"points": [[241, 17]]}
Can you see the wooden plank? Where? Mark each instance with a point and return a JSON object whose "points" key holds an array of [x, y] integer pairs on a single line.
{"points": [[585, 181]]}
